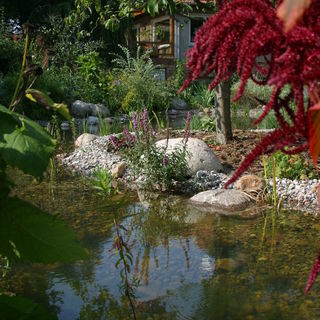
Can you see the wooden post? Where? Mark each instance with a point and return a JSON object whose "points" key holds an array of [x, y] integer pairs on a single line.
{"points": [[172, 35]]}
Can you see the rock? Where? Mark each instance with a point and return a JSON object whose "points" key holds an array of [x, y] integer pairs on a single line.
{"points": [[118, 170], [199, 155], [222, 199], [178, 104], [226, 265], [82, 109], [84, 139], [65, 126], [250, 183], [99, 110], [93, 124]]}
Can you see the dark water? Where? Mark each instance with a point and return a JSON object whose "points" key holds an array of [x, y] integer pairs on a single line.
{"points": [[189, 265]]}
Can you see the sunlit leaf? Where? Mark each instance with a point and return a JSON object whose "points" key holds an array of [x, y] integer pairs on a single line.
{"points": [[314, 131], [15, 308], [24, 143], [44, 100], [39, 237], [152, 7], [290, 11]]}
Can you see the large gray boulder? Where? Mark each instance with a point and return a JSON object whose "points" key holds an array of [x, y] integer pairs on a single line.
{"points": [[82, 109], [222, 199], [199, 155]]}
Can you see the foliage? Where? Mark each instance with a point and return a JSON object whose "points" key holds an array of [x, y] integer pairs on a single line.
{"points": [[67, 41], [201, 97], [113, 13], [10, 51], [253, 96], [291, 11], [290, 167], [202, 123], [39, 237], [133, 84], [102, 180], [24, 143], [25, 231], [22, 308]]}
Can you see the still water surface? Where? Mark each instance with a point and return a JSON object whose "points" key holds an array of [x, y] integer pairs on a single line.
{"points": [[188, 265]]}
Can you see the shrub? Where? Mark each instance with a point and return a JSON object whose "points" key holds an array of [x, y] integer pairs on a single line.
{"points": [[202, 123], [290, 166], [133, 84], [201, 97]]}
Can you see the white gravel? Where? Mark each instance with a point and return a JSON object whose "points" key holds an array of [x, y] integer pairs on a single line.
{"points": [[296, 194]]}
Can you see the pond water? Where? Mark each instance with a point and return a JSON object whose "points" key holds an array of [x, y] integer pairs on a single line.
{"points": [[189, 265]]}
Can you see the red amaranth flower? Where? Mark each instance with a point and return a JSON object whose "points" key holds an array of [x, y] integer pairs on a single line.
{"points": [[247, 37]]}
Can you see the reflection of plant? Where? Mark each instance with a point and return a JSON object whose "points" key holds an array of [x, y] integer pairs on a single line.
{"points": [[290, 167], [125, 258], [102, 180], [4, 261]]}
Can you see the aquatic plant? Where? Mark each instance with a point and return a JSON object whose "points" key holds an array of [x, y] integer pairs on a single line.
{"points": [[102, 180]]}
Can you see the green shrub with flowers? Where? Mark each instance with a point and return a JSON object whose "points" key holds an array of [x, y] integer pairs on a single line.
{"points": [[159, 168]]}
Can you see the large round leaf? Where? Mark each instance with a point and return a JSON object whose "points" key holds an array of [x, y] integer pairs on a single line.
{"points": [[24, 143], [37, 236]]}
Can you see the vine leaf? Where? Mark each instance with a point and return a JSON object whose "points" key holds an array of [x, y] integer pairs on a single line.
{"points": [[290, 11], [314, 131]]}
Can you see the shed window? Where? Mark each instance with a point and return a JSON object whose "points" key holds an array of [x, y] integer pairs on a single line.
{"points": [[195, 24]]}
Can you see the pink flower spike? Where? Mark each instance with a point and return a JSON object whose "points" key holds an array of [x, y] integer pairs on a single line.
{"points": [[313, 274]]}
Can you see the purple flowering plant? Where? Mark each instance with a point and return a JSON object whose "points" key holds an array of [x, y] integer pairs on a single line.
{"points": [[159, 167]]}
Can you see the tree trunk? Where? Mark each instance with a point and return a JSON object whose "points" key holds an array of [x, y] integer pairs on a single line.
{"points": [[222, 112]]}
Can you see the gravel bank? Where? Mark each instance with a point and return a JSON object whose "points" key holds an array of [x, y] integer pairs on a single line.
{"points": [[297, 194]]}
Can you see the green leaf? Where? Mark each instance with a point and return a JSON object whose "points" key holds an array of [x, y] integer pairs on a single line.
{"points": [[37, 236], [24, 143], [152, 7], [18, 308], [43, 99]]}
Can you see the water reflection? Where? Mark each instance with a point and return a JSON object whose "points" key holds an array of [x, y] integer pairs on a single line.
{"points": [[190, 265]]}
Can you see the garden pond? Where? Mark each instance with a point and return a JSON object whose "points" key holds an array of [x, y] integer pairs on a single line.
{"points": [[187, 264]]}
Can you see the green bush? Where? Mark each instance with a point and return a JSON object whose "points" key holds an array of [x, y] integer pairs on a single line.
{"points": [[201, 97], [133, 85], [202, 123], [290, 166]]}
